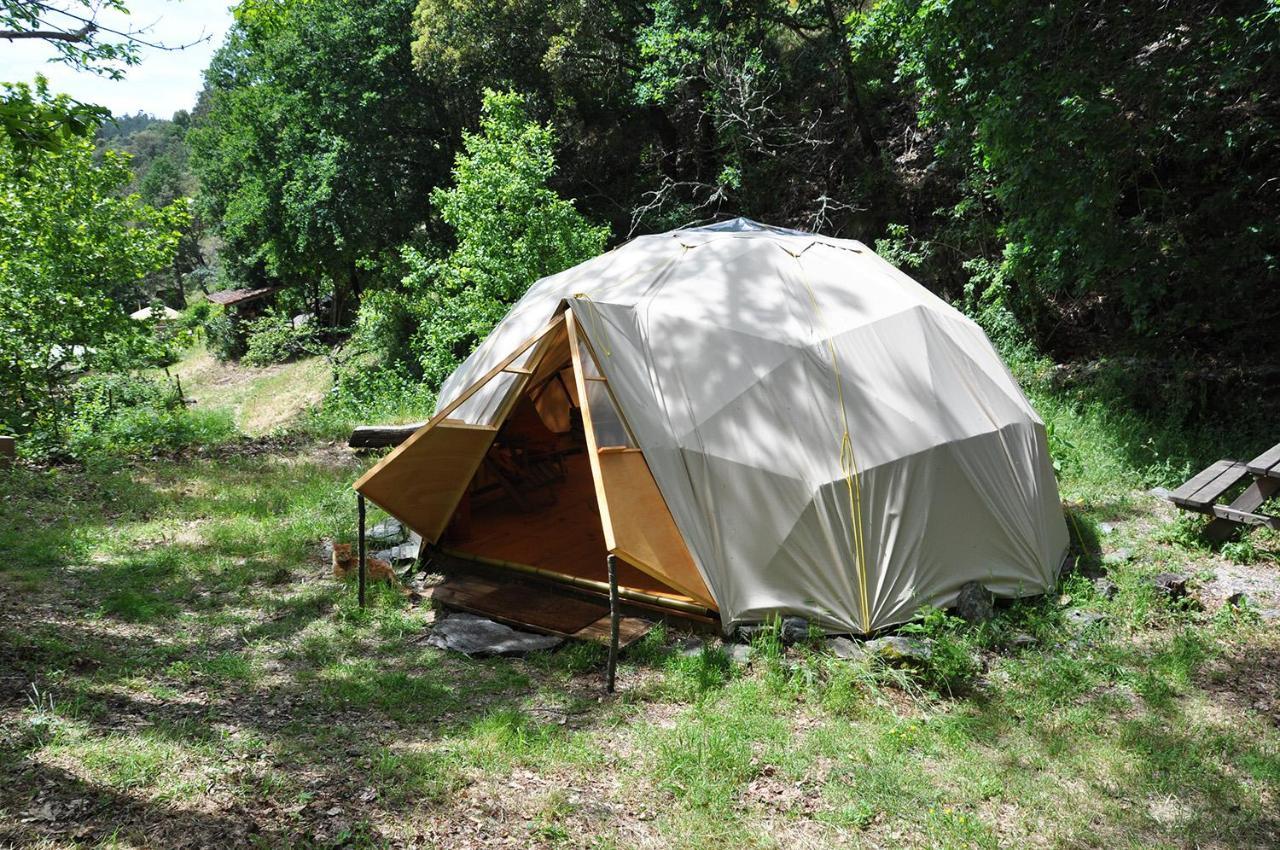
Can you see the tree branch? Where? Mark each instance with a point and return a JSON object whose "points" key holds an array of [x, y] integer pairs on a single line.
{"points": [[79, 35]]}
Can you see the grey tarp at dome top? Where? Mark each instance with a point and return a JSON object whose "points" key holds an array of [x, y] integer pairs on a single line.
{"points": [[741, 355]]}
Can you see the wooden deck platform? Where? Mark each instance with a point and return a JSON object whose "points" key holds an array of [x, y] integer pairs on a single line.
{"points": [[565, 536], [539, 608]]}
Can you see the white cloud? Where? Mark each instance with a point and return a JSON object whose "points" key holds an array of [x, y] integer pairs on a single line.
{"points": [[165, 81]]}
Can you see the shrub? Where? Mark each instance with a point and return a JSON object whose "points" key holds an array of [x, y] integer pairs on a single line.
{"points": [[274, 339], [141, 430], [130, 414], [224, 335], [512, 229]]}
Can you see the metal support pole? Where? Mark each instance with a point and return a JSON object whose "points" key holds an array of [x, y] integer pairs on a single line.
{"points": [[360, 510], [612, 670]]}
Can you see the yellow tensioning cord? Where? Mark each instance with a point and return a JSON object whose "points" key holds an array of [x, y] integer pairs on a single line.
{"points": [[848, 460], [595, 323]]}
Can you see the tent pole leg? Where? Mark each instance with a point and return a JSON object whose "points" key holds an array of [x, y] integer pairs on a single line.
{"points": [[360, 511], [612, 669]]}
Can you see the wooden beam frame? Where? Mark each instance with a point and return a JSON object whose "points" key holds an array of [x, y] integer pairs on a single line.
{"points": [[650, 509]]}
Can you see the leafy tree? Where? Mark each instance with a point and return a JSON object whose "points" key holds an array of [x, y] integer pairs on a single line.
{"points": [[158, 156], [511, 229], [70, 244], [317, 144], [32, 119], [1122, 157], [679, 109]]}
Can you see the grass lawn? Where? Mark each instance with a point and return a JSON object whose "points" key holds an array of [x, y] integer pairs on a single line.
{"points": [[259, 399], [177, 668]]}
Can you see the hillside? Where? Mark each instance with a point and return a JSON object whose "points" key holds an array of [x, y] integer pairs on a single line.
{"points": [[259, 399]]}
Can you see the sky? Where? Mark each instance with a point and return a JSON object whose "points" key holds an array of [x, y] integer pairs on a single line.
{"points": [[162, 84]]}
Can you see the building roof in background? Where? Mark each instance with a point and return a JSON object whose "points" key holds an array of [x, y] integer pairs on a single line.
{"points": [[227, 297], [164, 314]]}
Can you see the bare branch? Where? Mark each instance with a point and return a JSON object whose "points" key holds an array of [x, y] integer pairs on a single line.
{"points": [[81, 34]]}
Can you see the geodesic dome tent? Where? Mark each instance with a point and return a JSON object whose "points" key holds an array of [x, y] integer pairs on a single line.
{"points": [[758, 421]]}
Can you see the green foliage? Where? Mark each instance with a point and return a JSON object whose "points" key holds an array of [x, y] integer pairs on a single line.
{"points": [[317, 145], [32, 119], [951, 666], [511, 228], [70, 245], [126, 414], [224, 333], [1122, 150], [273, 338]]}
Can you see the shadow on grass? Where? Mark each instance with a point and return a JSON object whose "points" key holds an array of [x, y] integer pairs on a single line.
{"points": [[1120, 728], [92, 813]]}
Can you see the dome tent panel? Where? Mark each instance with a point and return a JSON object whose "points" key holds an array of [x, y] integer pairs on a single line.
{"points": [[768, 377]]}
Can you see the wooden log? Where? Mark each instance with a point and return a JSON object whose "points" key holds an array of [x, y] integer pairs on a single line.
{"points": [[381, 436], [8, 451]]}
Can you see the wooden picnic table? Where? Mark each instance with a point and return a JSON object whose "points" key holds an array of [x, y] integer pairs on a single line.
{"points": [[1202, 492]]}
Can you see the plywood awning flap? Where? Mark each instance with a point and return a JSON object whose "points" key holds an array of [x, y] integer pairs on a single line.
{"points": [[423, 487], [644, 533], [422, 480]]}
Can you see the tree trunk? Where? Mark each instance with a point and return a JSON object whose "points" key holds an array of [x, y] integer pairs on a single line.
{"points": [[857, 115]]}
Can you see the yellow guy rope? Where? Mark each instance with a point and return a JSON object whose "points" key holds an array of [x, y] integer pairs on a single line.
{"points": [[848, 460], [595, 323]]}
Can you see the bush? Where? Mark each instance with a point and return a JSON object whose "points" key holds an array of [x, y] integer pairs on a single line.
{"points": [[140, 430], [224, 335], [365, 392], [130, 414], [274, 339], [512, 229]]}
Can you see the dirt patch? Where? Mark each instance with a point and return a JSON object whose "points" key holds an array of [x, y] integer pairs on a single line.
{"points": [[1248, 677]]}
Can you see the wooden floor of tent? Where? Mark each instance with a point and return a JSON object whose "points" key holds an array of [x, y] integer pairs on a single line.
{"points": [[564, 537], [537, 606]]}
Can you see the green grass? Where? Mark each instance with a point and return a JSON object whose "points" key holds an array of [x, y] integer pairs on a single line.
{"points": [[197, 671], [258, 400]]}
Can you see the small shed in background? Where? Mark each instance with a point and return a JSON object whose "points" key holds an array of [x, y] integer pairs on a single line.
{"points": [[245, 303]]}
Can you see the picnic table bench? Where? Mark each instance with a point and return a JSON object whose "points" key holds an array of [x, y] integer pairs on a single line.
{"points": [[1202, 492]]}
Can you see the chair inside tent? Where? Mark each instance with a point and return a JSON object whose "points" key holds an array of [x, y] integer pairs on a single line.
{"points": [[545, 481]]}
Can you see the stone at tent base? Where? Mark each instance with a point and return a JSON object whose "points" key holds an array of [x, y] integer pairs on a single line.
{"points": [[790, 630], [1022, 640], [691, 648], [403, 552], [472, 635], [795, 629], [739, 653], [1106, 588], [1119, 556], [850, 650], [1084, 619], [1170, 585], [387, 531], [975, 604], [902, 651]]}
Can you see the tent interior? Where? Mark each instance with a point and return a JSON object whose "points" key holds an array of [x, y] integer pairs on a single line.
{"points": [[527, 489]]}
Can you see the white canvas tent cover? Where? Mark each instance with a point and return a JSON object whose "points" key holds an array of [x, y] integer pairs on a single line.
{"points": [[832, 440], [158, 312]]}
